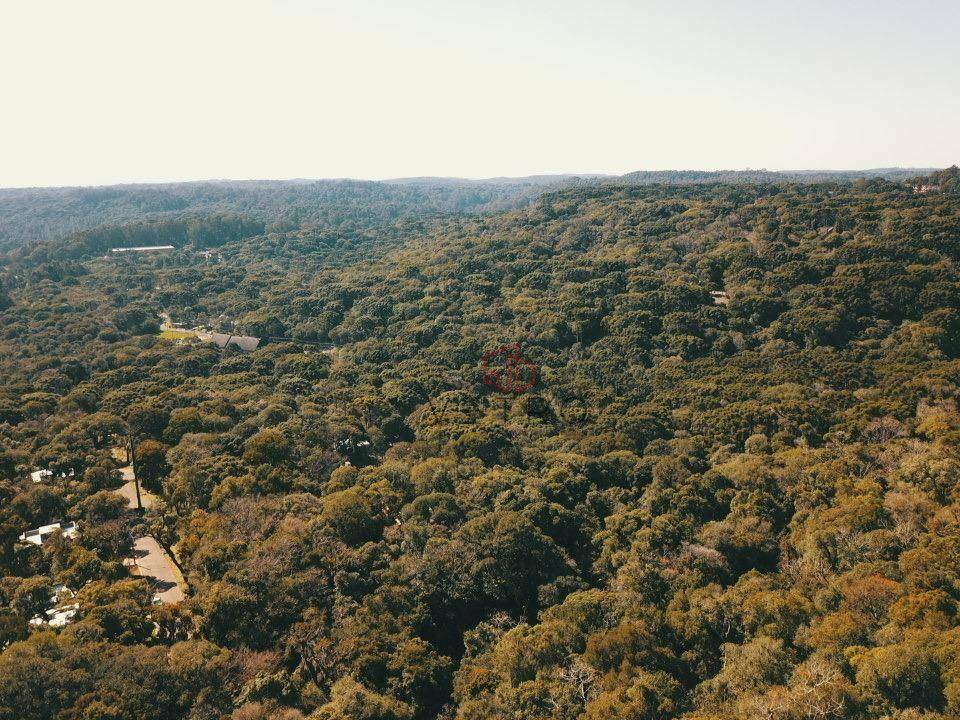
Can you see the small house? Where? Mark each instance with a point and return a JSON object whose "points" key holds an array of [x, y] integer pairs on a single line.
{"points": [[244, 342], [56, 617], [142, 249], [720, 297], [38, 536], [39, 476]]}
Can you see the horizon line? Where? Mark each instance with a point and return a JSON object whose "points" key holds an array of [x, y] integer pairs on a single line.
{"points": [[467, 178]]}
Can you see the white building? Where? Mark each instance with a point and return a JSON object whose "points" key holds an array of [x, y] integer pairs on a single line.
{"points": [[56, 617], [61, 616], [38, 536], [142, 248], [39, 476]]}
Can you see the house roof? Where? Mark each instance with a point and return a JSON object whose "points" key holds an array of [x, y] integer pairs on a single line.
{"points": [[244, 342], [41, 475], [57, 617], [141, 248], [40, 534]]}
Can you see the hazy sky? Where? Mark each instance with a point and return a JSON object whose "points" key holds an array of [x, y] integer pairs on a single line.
{"points": [[99, 91]]}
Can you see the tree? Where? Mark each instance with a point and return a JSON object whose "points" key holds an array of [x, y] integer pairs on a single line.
{"points": [[147, 419], [152, 464], [100, 507], [269, 447], [349, 516], [901, 676], [228, 615], [31, 596], [350, 700], [13, 628]]}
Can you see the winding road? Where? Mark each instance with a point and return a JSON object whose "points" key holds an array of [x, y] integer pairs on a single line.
{"points": [[149, 559]]}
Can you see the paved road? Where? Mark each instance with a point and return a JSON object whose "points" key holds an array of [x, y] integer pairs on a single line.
{"points": [[128, 491], [151, 560]]}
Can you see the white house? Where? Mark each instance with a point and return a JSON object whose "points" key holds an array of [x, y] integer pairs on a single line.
{"points": [[142, 248], [38, 536], [56, 617], [39, 476], [61, 616]]}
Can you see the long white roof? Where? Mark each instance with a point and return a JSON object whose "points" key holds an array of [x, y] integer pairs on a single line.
{"points": [[141, 248], [43, 532]]}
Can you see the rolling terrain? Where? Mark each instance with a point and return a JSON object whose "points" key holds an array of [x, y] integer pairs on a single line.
{"points": [[732, 492]]}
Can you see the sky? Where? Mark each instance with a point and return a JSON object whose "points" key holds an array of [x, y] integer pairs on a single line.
{"points": [[103, 91]]}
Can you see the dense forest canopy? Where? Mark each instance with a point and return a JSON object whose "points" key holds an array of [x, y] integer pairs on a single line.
{"points": [[733, 492], [37, 214], [31, 214]]}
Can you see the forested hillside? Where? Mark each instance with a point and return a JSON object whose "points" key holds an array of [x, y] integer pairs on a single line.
{"points": [[33, 214], [732, 493], [689, 177]]}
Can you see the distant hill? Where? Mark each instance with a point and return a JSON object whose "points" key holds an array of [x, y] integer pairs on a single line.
{"points": [[687, 177], [37, 214], [43, 213], [501, 180]]}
